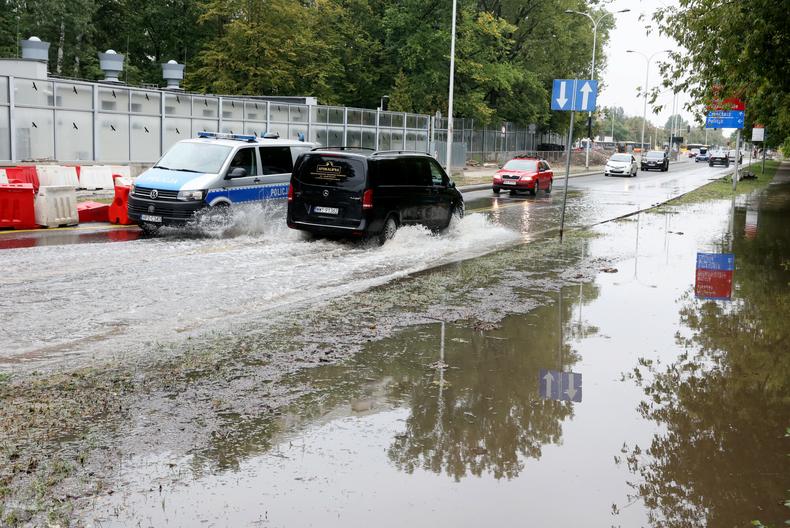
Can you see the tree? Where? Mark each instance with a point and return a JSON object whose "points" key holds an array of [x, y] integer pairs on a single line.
{"points": [[732, 49]]}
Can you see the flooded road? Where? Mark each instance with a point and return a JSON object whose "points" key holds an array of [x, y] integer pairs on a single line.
{"points": [[678, 416], [120, 301]]}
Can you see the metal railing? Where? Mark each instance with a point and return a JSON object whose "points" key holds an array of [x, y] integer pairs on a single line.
{"points": [[79, 121]]}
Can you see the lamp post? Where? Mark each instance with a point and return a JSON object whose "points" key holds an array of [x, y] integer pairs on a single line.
{"points": [[450, 98], [592, 67], [647, 72]]}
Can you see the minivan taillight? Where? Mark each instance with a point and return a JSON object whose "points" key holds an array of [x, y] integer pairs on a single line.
{"points": [[290, 193], [367, 199]]}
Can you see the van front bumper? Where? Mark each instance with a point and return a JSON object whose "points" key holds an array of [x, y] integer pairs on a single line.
{"points": [[171, 212]]}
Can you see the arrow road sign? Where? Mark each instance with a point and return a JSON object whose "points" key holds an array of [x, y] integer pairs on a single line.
{"points": [[725, 119], [556, 385], [578, 95]]}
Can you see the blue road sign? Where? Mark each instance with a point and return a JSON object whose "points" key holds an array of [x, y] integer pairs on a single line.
{"points": [[578, 95], [556, 385], [724, 119], [716, 261]]}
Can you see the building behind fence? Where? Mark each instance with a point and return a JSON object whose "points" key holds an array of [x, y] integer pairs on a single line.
{"points": [[78, 121]]}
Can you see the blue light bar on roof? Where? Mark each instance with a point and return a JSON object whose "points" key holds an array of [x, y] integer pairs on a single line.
{"points": [[223, 135]]}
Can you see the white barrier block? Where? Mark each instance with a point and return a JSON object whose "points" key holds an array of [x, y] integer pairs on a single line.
{"points": [[96, 177], [121, 170], [56, 205], [57, 175], [3, 177]]}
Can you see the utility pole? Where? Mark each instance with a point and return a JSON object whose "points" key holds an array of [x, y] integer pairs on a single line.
{"points": [[450, 98]]}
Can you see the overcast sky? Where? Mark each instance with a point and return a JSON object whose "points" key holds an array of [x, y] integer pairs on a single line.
{"points": [[625, 72]]}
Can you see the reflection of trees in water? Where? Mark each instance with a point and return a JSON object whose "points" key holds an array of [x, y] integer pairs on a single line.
{"points": [[722, 460], [488, 417]]}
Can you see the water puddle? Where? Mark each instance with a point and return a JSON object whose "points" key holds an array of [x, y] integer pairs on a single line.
{"points": [[615, 398]]}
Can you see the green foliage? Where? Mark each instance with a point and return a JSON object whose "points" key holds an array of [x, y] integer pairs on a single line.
{"points": [[348, 52], [732, 49]]}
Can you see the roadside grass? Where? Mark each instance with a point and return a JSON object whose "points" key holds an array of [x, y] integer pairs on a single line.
{"points": [[722, 188]]}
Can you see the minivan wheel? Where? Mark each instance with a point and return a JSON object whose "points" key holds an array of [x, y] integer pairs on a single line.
{"points": [[149, 229], [388, 231]]}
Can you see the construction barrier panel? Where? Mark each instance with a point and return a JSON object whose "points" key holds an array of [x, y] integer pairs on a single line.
{"points": [[17, 206], [25, 174], [119, 209], [56, 205], [121, 170], [57, 176], [96, 177], [3, 177], [93, 212]]}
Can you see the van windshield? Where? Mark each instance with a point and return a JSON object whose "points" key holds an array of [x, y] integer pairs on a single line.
{"points": [[332, 171], [195, 157]]}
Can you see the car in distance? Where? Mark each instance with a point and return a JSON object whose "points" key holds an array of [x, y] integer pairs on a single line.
{"points": [[621, 165], [524, 174], [339, 192], [719, 157], [213, 170], [693, 153], [732, 154], [655, 159], [703, 156]]}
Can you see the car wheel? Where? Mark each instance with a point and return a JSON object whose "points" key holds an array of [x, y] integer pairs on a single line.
{"points": [[533, 191], [388, 231], [551, 184], [512, 192], [497, 190], [149, 229]]}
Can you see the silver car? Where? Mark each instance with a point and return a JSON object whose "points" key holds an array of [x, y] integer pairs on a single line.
{"points": [[621, 165]]}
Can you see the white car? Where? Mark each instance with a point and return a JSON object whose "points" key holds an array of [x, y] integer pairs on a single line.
{"points": [[621, 165]]}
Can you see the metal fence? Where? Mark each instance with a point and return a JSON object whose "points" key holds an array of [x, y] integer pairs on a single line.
{"points": [[79, 121]]}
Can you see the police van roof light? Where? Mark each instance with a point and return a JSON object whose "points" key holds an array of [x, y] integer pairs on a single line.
{"points": [[223, 135]]}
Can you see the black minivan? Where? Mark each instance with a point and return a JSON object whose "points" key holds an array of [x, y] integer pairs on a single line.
{"points": [[359, 194]]}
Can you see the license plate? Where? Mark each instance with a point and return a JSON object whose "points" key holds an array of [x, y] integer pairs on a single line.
{"points": [[326, 210], [151, 218], [509, 182]]}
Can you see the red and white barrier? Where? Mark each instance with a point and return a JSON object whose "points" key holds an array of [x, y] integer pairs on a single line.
{"points": [[56, 205], [3, 177]]}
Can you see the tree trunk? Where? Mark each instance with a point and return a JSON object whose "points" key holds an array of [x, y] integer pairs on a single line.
{"points": [[61, 43]]}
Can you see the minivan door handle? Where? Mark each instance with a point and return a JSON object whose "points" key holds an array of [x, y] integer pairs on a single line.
{"points": [[256, 180]]}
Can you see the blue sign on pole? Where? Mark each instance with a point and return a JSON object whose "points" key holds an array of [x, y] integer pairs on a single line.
{"points": [[556, 385], [578, 95], [724, 119], [716, 261]]}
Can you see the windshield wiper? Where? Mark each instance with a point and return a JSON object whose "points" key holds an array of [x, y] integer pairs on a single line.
{"points": [[185, 170], [160, 167]]}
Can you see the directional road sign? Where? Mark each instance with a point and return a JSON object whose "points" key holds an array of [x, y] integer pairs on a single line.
{"points": [[574, 94], [724, 119], [557, 385]]}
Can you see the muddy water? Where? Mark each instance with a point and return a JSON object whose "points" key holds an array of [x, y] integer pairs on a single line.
{"points": [[681, 418]]}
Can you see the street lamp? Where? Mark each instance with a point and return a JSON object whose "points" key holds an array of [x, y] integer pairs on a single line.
{"points": [[647, 71], [592, 66], [450, 98]]}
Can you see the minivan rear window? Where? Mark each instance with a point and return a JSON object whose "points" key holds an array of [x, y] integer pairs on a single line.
{"points": [[331, 171]]}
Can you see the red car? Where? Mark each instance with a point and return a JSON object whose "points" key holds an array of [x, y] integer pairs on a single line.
{"points": [[524, 174]]}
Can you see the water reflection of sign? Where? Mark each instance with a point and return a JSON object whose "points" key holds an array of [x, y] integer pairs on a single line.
{"points": [[714, 276], [556, 385], [750, 229]]}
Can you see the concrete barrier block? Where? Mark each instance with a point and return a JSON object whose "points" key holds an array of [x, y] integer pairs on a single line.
{"points": [[57, 176], [96, 177], [56, 205], [121, 170]]}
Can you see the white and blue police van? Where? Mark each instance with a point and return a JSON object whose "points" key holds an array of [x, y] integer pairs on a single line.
{"points": [[213, 170]]}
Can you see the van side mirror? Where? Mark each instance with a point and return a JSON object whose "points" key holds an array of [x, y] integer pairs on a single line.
{"points": [[237, 172]]}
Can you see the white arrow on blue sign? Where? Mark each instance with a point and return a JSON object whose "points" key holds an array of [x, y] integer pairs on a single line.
{"points": [[724, 119], [578, 95], [556, 385]]}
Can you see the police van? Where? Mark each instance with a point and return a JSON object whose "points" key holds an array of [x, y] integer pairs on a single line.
{"points": [[213, 170]]}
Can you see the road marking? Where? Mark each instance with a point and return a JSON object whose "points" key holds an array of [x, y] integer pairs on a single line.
{"points": [[77, 228]]}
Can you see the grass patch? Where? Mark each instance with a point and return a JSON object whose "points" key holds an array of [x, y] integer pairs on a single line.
{"points": [[722, 188]]}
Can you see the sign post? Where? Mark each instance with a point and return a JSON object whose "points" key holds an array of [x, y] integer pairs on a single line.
{"points": [[731, 117], [572, 95], [758, 136]]}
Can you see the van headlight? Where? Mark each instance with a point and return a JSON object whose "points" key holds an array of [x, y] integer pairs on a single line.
{"points": [[190, 195]]}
